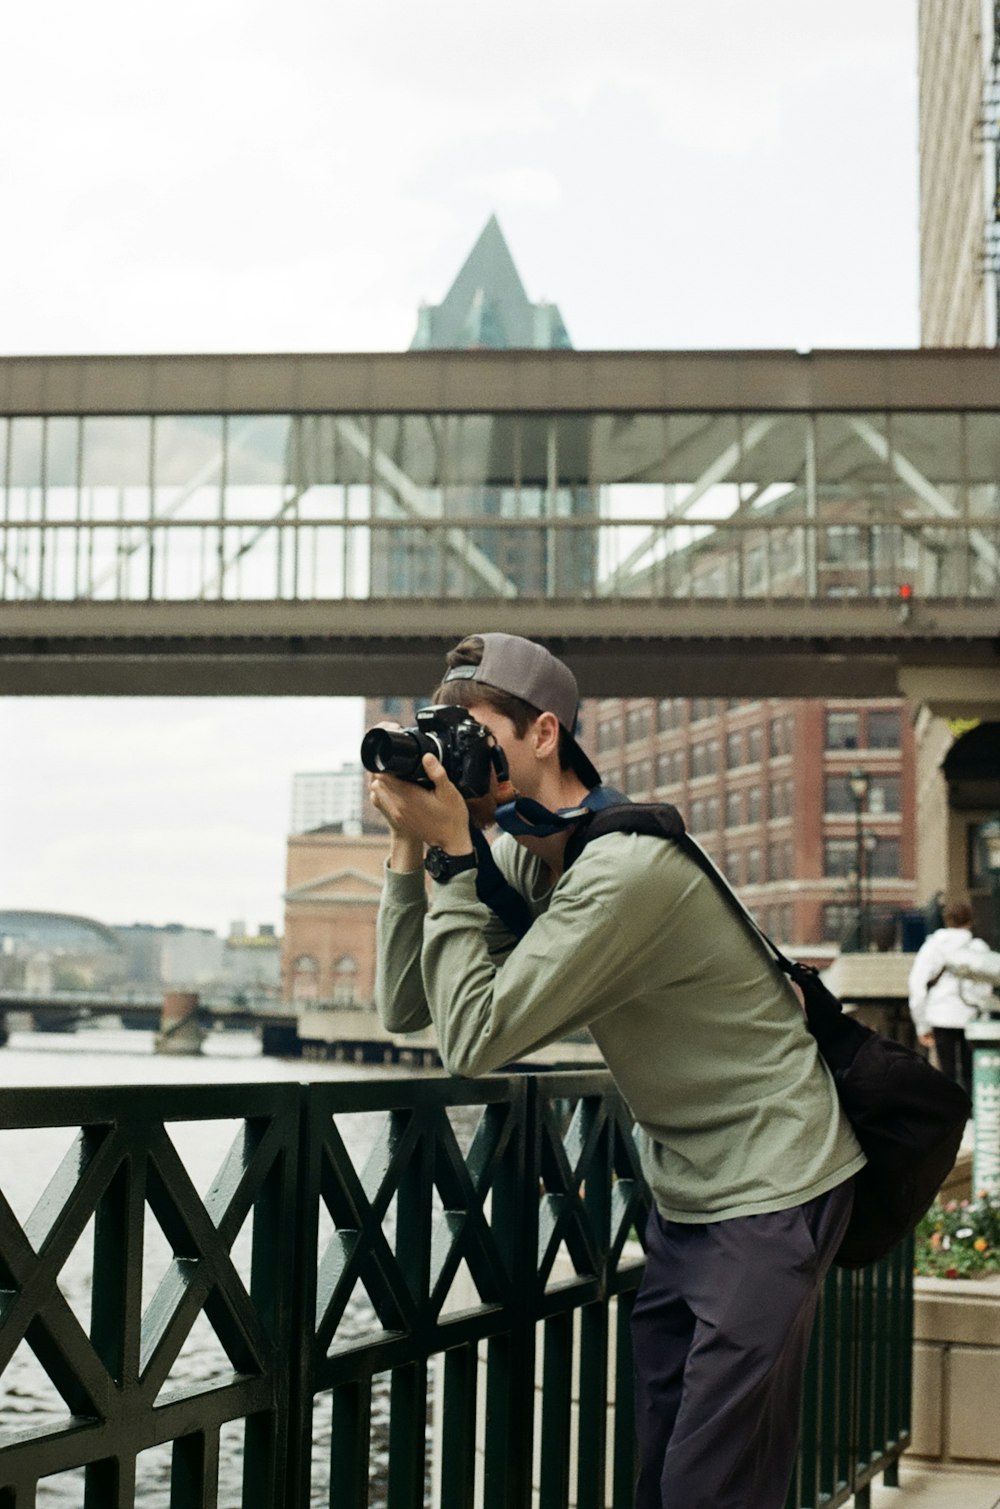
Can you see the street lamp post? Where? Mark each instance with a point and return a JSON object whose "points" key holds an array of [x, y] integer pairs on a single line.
{"points": [[869, 842], [859, 781]]}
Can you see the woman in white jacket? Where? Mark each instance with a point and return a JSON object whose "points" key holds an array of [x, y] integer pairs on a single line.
{"points": [[941, 1004]]}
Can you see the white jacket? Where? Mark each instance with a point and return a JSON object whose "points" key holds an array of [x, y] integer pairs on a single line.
{"points": [[948, 1001]]}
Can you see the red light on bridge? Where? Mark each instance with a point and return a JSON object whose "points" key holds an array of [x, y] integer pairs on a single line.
{"points": [[905, 592]]}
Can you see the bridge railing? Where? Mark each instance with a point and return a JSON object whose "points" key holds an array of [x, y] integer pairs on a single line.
{"points": [[387, 1292], [335, 558]]}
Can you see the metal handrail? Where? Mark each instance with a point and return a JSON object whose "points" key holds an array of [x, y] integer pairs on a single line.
{"points": [[493, 1230]]}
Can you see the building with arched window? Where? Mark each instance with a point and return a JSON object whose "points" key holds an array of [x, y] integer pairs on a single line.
{"points": [[334, 881]]}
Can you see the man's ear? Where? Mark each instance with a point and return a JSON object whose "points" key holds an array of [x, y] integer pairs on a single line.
{"points": [[545, 732]]}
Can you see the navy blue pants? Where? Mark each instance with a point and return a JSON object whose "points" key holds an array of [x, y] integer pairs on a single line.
{"points": [[720, 1334]]}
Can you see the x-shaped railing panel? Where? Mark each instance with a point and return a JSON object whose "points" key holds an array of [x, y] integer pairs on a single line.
{"points": [[114, 1373], [408, 1296]]}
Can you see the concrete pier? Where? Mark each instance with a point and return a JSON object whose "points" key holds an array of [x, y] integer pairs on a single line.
{"points": [[181, 1029]]}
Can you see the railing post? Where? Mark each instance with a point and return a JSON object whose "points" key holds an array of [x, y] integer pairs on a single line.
{"points": [[510, 1368], [299, 1307]]}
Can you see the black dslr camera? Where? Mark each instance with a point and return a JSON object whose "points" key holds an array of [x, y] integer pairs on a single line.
{"points": [[466, 749]]}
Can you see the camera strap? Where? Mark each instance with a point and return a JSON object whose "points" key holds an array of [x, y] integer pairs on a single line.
{"points": [[527, 817], [497, 893]]}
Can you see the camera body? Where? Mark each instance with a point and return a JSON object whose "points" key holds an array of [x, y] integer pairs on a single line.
{"points": [[467, 750]]}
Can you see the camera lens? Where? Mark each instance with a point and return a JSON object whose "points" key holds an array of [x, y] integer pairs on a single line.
{"points": [[389, 751]]}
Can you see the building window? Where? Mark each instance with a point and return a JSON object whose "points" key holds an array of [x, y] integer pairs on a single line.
{"points": [[345, 981], [712, 813], [705, 758], [755, 866], [780, 736], [755, 746], [670, 768], [837, 798], [609, 734], [884, 729], [734, 809], [637, 723], [883, 796], [839, 919], [733, 868], [734, 750], [669, 713], [841, 730], [843, 545], [305, 978], [884, 860], [779, 860], [839, 857], [392, 706], [753, 805], [638, 777]]}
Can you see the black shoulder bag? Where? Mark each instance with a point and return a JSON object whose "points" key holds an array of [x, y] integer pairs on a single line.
{"points": [[907, 1116]]}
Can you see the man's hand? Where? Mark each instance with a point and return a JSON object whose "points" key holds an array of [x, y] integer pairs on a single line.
{"points": [[927, 1039], [418, 816]]}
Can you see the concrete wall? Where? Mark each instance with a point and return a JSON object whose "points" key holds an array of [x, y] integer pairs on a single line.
{"points": [[956, 1370]]}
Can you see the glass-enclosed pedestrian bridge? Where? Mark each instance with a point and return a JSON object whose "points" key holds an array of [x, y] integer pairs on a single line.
{"points": [[828, 521]]}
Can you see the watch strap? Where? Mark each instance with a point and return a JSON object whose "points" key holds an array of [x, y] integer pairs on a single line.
{"points": [[442, 867]]}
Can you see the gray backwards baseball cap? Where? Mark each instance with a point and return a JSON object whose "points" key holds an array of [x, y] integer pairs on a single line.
{"points": [[529, 671]]}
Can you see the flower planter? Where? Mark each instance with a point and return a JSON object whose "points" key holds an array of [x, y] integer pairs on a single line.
{"points": [[956, 1370]]}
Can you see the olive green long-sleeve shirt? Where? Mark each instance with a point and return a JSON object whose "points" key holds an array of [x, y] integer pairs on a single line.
{"points": [[704, 1036]]}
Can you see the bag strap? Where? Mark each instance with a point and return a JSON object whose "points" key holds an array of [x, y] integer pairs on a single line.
{"points": [[661, 820], [496, 892]]}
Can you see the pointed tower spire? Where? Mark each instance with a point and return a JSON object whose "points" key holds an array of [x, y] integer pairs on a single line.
{"points": [[487, 305]]}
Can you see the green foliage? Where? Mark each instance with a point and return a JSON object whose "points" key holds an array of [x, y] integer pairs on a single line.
{"points": [[959, 1239]]}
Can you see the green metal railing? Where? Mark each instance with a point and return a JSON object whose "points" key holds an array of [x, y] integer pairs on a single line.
{"points": [[420, 1290]]}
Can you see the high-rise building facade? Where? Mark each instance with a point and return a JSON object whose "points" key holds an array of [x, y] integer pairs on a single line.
{"points": [[324, 797], [959, 64]]}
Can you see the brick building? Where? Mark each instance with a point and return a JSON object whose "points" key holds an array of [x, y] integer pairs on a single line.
{"points": [[764, 787], [334, 881]]}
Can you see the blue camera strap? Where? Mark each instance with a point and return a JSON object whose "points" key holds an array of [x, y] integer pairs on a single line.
{"points": [[525, 817]]}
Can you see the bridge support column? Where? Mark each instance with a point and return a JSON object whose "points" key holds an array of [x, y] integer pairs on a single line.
{"points": [[181, 1029]]}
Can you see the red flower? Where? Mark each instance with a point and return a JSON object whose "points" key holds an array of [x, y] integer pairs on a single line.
{"points": [[951, 1273]]}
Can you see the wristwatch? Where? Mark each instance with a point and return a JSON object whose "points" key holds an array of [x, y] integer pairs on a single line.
{"points": [[441, 866]]}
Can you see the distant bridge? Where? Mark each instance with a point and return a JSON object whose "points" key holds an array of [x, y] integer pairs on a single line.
{"points": [[73, 1007], [726, 523], [287, 1029]]}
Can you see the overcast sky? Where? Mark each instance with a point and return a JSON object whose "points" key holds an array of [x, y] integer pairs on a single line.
{"points": [[250, 177]]}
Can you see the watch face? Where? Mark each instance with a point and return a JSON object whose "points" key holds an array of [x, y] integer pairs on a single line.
{"points": [[436, 863]]}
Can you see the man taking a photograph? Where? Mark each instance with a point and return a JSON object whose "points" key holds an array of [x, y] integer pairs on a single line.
{"points": [[744, 1145]]}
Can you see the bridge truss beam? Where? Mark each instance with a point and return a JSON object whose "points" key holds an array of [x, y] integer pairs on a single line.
{"points": [[670, 648]]}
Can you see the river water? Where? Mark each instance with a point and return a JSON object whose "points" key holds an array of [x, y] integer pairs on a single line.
{"points": [[27, 1161]]}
